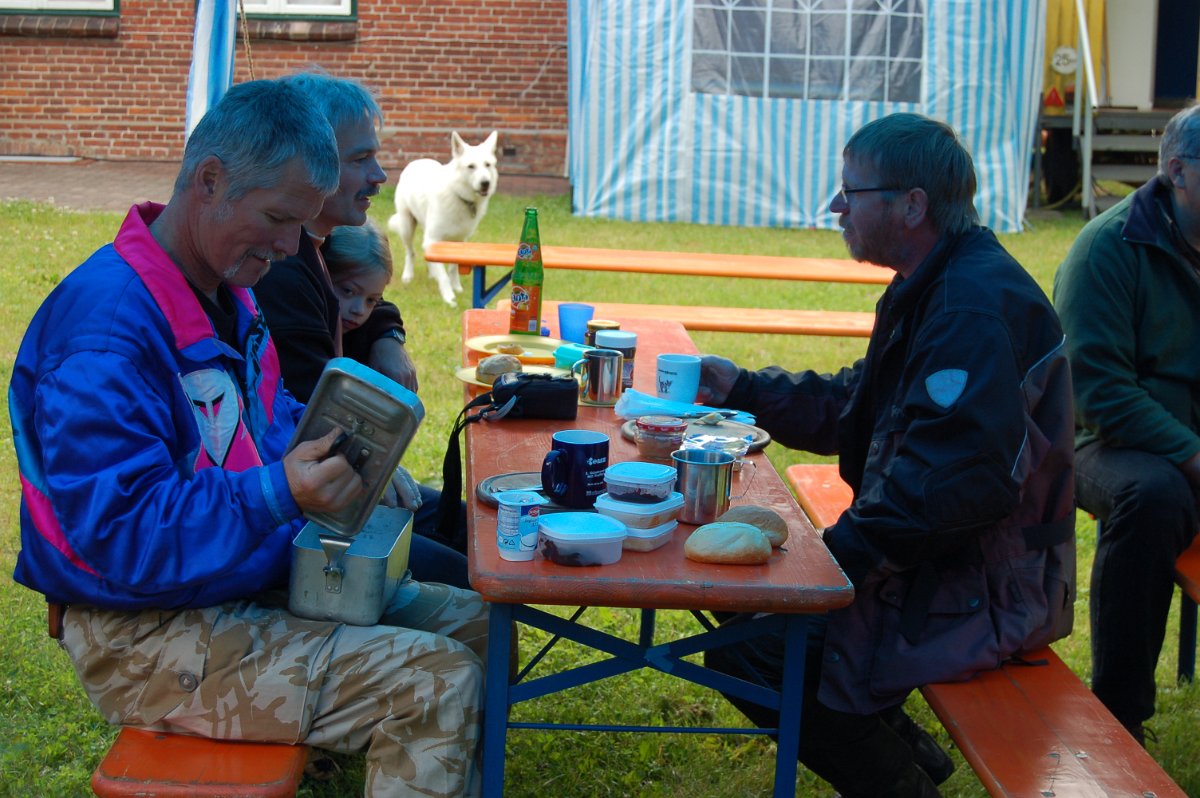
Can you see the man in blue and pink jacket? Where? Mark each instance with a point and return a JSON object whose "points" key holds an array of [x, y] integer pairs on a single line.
{"points": [[159, 500]]}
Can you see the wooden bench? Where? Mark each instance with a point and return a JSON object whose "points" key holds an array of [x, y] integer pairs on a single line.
{"points": [[145, 763], [745, 320], [1025, 729], [475, 257]]}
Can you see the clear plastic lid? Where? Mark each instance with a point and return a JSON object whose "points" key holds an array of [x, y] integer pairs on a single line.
{"points": [[661, 424], [581, 527], [608, 503], [635, 472], [653, 531]]}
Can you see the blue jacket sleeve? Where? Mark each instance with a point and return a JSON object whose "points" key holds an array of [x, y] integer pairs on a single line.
{"points": [[119, 470]]}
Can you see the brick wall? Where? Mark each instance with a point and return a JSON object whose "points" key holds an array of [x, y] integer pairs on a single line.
{"points": [[115, 88]]}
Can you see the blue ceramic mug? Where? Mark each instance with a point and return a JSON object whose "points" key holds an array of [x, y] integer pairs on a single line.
{"points": [[573, 469]]}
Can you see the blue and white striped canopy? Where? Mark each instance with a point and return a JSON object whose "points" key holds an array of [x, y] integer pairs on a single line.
{"points": [[735, 112], [211, 72]]}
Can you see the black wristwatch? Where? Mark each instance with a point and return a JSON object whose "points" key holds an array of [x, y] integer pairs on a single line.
{"points": [[397, 334]]}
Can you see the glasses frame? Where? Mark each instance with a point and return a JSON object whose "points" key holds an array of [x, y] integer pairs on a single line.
{"points": [[844, 193]]}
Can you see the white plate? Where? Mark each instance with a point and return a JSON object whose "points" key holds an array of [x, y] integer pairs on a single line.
{"points": [[538, 350], [467, 373]]}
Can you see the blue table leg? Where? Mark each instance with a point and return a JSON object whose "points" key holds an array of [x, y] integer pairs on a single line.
{"points": [[791, 698], [481, 292], [495, 708], [1186, 669]]}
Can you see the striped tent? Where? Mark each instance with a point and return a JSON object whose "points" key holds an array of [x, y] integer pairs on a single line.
{"points": [[211, 72], [734, 112]]}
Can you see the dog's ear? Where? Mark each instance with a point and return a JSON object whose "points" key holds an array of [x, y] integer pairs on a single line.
{"points": [[457, 145], [490, 141]]}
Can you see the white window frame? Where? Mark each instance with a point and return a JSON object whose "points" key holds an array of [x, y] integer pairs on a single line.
{"points": [[58, 5], [842, 53], [286, 8]]}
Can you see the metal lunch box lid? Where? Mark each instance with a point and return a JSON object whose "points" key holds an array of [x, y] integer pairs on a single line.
{"points": [[378, 417]]}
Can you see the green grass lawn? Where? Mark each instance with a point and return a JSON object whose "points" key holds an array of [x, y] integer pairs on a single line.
{"points": [[51, 738]]}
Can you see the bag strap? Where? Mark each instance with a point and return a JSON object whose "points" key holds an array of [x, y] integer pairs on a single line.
{"points": [[452, 486]]}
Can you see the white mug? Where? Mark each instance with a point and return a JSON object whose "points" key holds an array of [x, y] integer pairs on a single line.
{"points": [[678, 377]]}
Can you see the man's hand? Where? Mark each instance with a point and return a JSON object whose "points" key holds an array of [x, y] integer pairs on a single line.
{"points": [[402, 491], [321, 480], [717, 376], [389, 357]]}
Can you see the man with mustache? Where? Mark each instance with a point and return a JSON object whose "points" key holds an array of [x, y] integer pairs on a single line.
{"points": [[301, 308], [159, 499], [955, 433]]}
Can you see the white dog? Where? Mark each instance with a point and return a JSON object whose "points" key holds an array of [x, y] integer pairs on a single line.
{"points": [[447, 201]]}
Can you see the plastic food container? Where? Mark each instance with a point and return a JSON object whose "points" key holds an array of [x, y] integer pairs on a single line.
{"points": [[637, 516], [578, 538], [641, 483], [657, 436], [649, 539]]}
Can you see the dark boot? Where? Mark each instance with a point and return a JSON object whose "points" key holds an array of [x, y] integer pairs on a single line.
{"points": [[926, 751]]}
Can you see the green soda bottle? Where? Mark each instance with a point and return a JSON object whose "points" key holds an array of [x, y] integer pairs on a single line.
{"points": [[525, 318]]}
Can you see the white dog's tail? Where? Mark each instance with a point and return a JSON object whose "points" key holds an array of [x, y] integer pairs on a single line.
{"points": [[395, 223]]}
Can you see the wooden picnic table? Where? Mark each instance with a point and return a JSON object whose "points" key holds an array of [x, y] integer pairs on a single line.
{"points": [[799, 581], [477, 256]]}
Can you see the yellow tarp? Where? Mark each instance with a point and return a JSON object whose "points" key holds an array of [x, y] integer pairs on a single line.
{"points": [[1062, 30]]}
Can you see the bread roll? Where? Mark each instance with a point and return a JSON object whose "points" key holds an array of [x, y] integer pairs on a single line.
{"points": [[511, 349], [492, 367], [767, 520], [729, 542]]}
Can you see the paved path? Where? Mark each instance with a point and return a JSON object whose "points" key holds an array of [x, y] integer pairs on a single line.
{"points": [[115, 185]]}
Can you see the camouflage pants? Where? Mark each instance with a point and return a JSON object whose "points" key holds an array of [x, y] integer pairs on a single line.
{"points": [[407, 692]]}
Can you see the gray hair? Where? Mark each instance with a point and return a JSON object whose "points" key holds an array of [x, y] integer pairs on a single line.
{"points": [[915, 151], [356, 249], [1180, 138], [255, 130], [339, 100]]}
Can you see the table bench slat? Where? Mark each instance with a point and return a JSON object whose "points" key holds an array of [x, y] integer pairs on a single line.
{"points": [[745, 320], [468, 254]]}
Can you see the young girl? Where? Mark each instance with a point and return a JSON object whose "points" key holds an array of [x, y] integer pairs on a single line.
{"points": [[360, 266]]}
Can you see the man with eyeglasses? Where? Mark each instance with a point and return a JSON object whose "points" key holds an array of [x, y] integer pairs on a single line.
{"points": [[1128, 294], [955, 434]]}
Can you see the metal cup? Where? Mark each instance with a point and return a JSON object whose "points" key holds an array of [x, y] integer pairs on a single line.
{"points": [[599, 374], [704, 478]]}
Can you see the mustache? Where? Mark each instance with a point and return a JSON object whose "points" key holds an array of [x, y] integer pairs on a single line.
{"points": [[371, 192]]}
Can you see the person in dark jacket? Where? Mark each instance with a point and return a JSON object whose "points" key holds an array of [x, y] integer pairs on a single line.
{"points": [[955, 433], [301, 307], [1128, 294]]}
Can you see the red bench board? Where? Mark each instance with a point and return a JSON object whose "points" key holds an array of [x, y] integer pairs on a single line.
{"points": [[144, 763]]}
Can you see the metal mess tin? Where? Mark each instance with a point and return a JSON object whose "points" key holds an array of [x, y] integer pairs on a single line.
{"points": [[379, 418], [350, 580]]}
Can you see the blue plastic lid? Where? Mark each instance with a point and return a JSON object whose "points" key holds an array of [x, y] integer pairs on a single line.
{"points": [[581, 526], [621, 339], [640, 472]]}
